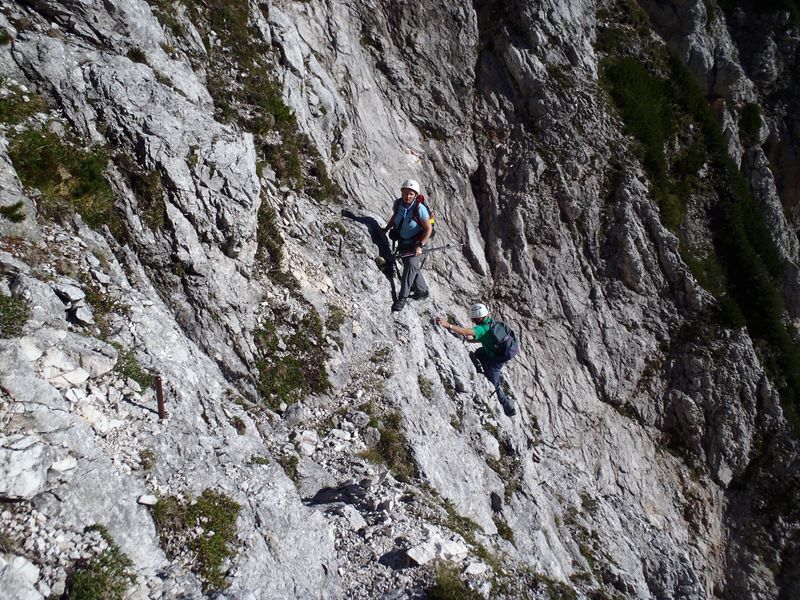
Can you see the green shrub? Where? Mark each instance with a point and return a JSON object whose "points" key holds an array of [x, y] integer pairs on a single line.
{"points": [[642, 100], [215, 514], [69, 178], [14, 313], [503, 530], [107, 576], [448, 586], [750, 120]]}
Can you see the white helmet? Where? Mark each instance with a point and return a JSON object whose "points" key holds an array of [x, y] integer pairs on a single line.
{"points": [[478, 311], [411, 184]]}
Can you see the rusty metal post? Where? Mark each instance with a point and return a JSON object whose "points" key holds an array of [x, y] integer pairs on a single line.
{"points": [[162, 414]]}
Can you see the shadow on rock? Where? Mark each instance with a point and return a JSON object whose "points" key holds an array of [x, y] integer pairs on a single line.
{"points": [[396, 559], [385, 261]]}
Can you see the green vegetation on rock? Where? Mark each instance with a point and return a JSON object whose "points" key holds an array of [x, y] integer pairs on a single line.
{"points": [[393, 449], [448, 585], [128, 366], [106, 576], [206, 527], [254, 98], [14, 313], [291, 359], [69, 178], [17, 106], [658, 98]]}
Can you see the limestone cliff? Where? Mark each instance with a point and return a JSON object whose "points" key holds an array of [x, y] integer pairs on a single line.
{"points": [[192, 197]]}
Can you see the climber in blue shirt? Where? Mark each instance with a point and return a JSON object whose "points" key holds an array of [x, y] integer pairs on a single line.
{"points": [[410, 226]]}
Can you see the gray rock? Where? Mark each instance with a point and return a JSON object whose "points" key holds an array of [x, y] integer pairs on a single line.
{"points": [[18, 577], [24, 460]]}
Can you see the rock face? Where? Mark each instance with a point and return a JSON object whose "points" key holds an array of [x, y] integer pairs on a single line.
{"points": [[252, 151]]}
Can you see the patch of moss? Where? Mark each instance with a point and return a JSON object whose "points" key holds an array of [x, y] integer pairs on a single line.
{"points": [[336, 317], [214, 514], [14, 313], [5, 37], [269, 252], [137, 55], [259, 460], [289, 464], [103, 304], [503, 530], [555, 590], [106, 576], [69, 178], [166, 12], [381, 355], [464, 526]]}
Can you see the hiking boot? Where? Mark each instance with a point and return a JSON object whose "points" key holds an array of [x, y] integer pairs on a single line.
{"points": [[419, 295], [399, 305], [508, 407]]}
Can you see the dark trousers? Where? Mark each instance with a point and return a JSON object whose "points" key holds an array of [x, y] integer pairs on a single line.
{"points": [[490, 367]]}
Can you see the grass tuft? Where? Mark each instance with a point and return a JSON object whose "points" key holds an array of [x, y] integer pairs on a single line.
{"points": [[70, 179], [448, 586], [107, 576], [392, 449], [14, 313], [207, 527]]}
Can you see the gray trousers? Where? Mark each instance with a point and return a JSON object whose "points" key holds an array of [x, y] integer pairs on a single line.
{"points": [[412, 280]]}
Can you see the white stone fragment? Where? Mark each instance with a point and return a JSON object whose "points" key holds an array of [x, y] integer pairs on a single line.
{"points": [[476, 568], [66, 464]]}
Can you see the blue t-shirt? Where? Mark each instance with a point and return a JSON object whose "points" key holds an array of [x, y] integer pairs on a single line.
{"points": [[404, 219]]}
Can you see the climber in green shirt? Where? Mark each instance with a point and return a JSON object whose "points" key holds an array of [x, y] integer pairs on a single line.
{"points": [[493, 353]]}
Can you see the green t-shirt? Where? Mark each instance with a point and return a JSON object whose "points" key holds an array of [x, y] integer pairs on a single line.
{"points": [[481, 333]]}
